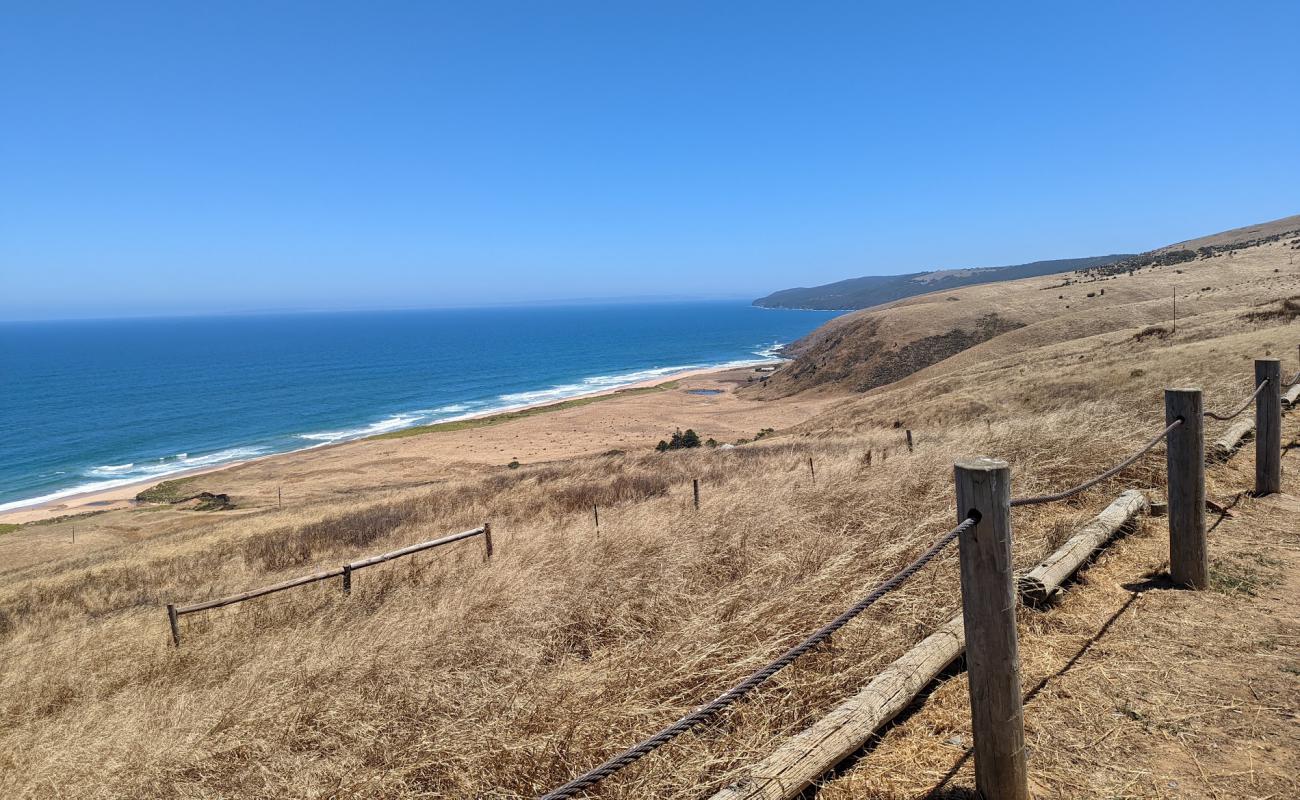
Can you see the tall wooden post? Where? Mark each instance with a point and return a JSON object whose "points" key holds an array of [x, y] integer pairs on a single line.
{"points": [[988, 601], [1185, 465], [812, 473], [174, 623], [347, 579], [909, 440], [487, 541], [695, 487], [595, 511], [1268, 427]]}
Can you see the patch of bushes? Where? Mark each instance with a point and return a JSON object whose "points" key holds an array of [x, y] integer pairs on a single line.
{"points": [[1158, 331], [679, 441], [1286, 311]]}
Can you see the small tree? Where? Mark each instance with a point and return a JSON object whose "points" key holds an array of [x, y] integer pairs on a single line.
{"points": [[690, 438], [662, 446]]}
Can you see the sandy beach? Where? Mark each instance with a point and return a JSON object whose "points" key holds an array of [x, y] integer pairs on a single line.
{"points": [[635, 419]]}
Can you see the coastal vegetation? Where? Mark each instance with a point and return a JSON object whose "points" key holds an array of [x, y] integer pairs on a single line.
{"points": [[449, 676], [680, 441], [873, 290]]}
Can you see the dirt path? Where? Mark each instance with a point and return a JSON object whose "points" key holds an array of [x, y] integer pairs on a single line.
{"points": [[1136, 689]]}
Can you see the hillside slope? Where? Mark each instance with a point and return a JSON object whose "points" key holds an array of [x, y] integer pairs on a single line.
{"points": [[878, 346], [873, 290], [445, 675]]}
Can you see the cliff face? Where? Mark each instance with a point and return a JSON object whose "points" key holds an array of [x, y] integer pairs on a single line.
{"points": [[859, 357], [881, 345]]}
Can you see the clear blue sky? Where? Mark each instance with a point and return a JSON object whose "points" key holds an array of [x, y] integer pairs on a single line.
{"points": [[181, 157]]}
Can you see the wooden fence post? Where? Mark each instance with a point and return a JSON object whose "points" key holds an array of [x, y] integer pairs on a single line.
{"points": [[1268, 427], [695, 487], [595, 511], [1185, 466], [487, 541], [175, 624], [909, 440], [988, 599], [347, 579], [812, 473]]}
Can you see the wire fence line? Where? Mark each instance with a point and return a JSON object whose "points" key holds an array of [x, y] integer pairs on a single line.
{"points": [[1088, 484], [1243, 406], [708, 711]]}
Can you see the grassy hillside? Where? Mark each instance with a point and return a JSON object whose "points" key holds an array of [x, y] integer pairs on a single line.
{"points": [[873, 290], [444, 676], [878, 346]]}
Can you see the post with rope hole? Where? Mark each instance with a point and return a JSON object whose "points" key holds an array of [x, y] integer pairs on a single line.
{"points": [[1185, 466], [487, 541], [988, 600], [175, 624], [695, 488], [1268, 427], [347, 579]]}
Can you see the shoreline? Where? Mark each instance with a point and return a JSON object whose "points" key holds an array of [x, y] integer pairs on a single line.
{"points": [[123, 496]]}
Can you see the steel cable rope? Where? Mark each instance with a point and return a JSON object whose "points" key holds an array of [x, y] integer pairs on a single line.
{"points": [[1088, 484], [1244, 406], [709, 710], [1292, 382]]}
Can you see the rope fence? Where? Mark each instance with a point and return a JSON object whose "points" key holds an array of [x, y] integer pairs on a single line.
{"points": [[174, 612], [983, 486], [710, 710], [1088, 484], [1243, 407]]}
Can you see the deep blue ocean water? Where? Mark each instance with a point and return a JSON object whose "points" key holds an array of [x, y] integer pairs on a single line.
{"points": [[89, 405]]}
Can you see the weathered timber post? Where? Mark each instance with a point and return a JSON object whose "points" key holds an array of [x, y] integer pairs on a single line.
{"points": [[812, 473], [1185, 465], [695, 487], [988, 601], [487, 541], [1268, 427], [175, 624], [347, 579], [595, 511], [909, 440]]}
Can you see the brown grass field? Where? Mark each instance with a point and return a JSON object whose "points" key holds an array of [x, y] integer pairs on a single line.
{"points": [[444, 676]]}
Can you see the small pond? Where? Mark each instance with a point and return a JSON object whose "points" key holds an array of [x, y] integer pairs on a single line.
{"points": [[705, 391]]}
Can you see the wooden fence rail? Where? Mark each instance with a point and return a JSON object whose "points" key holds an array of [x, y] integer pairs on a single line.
{"points": [[174, 612]]}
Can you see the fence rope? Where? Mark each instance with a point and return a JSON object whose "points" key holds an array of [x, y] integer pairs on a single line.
{"points": [[1243, 407], [710, 710], [1292, 382], [1088, 484]]}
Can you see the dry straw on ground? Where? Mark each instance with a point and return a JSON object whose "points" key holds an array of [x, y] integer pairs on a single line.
{"points": [[442, 676]]}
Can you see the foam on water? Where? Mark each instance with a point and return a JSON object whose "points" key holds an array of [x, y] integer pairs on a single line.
{"points": [[280, 383]]}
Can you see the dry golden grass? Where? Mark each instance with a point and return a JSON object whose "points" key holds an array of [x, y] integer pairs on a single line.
{"points": [[1136, 690], [442, 676]]}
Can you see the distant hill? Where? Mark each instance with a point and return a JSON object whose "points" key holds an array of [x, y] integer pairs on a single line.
{"points": [[873, 290], [1250, 267]]}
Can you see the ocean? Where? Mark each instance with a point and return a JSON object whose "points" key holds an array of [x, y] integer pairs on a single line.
{"points": [[90, 405]]}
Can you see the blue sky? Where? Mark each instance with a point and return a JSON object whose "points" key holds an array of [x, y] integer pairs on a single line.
{"points": [[184, 157]]}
